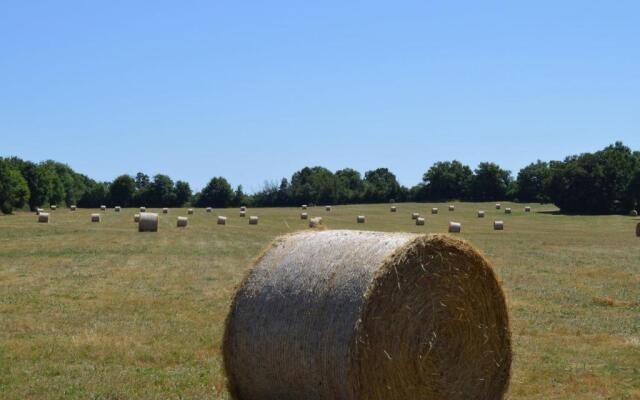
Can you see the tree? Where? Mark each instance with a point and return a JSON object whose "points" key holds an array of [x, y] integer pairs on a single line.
{"points": [[122, 190], [239, 198], [160, 191], [349, 186], [182, 193], [531, 182], [490, 182], [380, 185], [14, 191], [217, 193], [447, 180], [97, 194]]}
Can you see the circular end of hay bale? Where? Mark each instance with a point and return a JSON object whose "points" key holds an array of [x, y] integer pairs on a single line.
{"points": [[481, 214], [43, 218], [182, 222], [455, 227], [253, 220], [136, 217], [148, 222], [360, 219], [403, 316], [95, 218], [498, 225], [434, 211], [222, 220], [304, 215], [415, 215], [634, 213], [419, 221]]}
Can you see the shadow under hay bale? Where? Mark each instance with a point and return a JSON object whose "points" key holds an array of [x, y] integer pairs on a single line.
{"points": [[402, 316]]}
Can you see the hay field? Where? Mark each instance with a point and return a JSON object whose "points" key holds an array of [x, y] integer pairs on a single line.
{"points": [[100, 311]]}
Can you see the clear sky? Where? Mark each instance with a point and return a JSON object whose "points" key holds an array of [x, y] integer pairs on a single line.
{"points": [[255, 90]]}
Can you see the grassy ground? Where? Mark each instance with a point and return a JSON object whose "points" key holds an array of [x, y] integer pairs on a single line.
{"points": [[101, 311]]}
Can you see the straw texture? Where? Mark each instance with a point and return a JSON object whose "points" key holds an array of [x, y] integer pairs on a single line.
{"points": [[165, 210], [243, 213], [148, 222], [352, 315]]}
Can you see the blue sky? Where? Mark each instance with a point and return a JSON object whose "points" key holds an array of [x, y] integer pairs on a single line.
{"points": [[255, 90]]}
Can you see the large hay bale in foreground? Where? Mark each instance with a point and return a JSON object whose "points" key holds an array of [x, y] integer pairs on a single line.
{"points": [[95, 217], [43, 218], [182, 222], [148, 222], [353, 315]]}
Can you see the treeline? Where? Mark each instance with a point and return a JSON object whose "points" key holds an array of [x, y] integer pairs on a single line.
{"points": [[607, 181]]}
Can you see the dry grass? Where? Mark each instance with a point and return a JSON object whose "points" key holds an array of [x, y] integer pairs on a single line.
{"points": [[101, 311]]}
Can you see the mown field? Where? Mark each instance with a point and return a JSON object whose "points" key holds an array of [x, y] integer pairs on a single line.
{"points": [[100, 311]]}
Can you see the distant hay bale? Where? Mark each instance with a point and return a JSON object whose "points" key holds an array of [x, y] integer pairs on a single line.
{"points": [[315, 222], [328, 315], [498, 225], [527, 209], [452, 208], [148, 222], [304, 215], [434, 210], [455, 227], [253, 220], [136, 217], [498, 206], [222, 220], [73, 207], [243, 208], [117, 209], [419, 221], [393, 209], [415, 215], [209, 209], [103, 208], [634, 213], [182, 222], [507, 210], [54, 207], [480, 214], [39, 210], [327, 208], [190, 211], [243, 213], [360, 219], [95, 217], [143, 209], [304, 206], [165, 210], [43, 218]]}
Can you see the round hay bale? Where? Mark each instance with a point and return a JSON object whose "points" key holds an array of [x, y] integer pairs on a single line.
{"points": [[95, 217], [209, 209], [638, 230], [455, 227], [143, 209], [243, 208], [434, 210], [315, 222], [136, 217], [43, 218], [328, 315], [498, 225], [415, 215], [117, 209], [360, 219], [190, 211], [39, 210], [304, 206], [327, 208], [182, 222], [148, 222], [73, 207], [54, 207], [419, 221], [507, 210], [527, 209], [634, 213], [304, 215], [452, 208], [480, 214], [498, 206], [243, 213], [103, 208], [253, 220], [393, 209], [222, 220], [165, 210]]}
